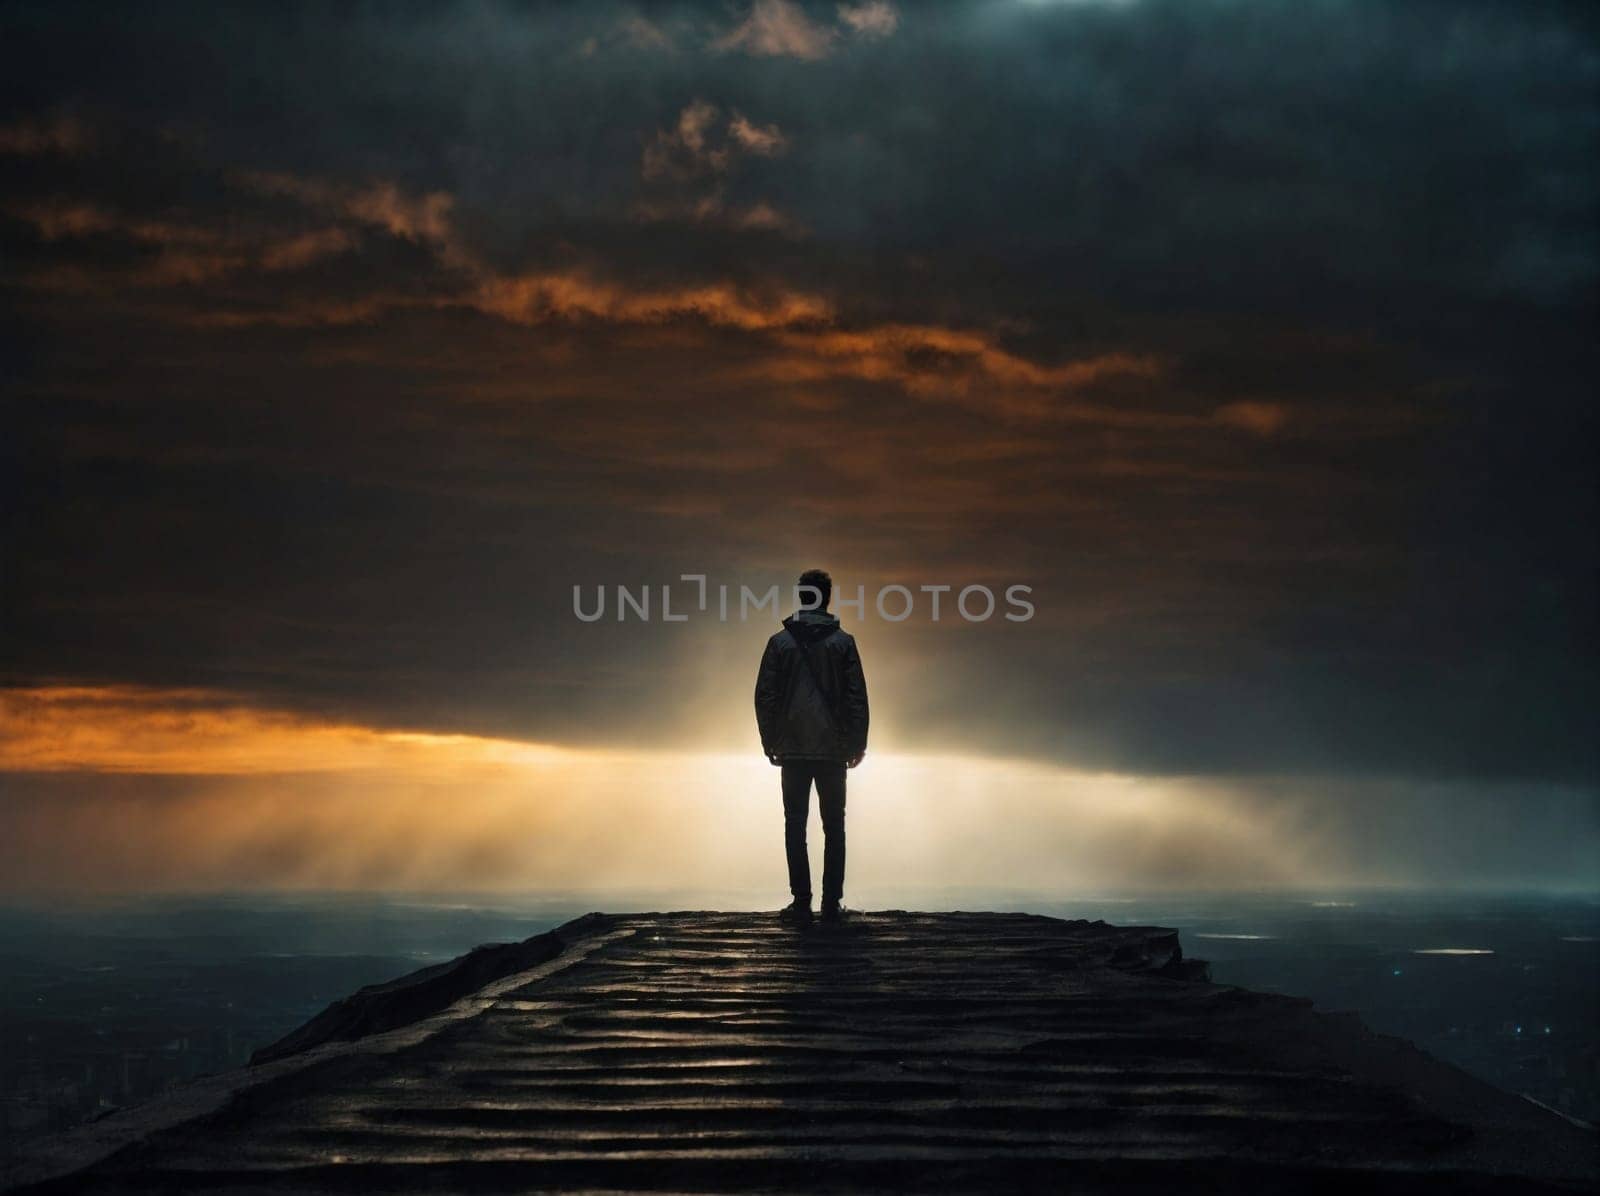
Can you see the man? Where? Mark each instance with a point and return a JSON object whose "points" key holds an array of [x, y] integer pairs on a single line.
{"points": [[811, 708]]}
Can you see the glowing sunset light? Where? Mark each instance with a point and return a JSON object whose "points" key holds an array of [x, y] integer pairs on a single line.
{"points": [[128, 729], [196, 793]]}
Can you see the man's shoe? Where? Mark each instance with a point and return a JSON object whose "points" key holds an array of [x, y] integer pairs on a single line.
{"points": [[796, 913], [833, 911]]}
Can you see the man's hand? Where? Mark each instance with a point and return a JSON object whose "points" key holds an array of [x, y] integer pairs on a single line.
{"points": [[854, 760]]}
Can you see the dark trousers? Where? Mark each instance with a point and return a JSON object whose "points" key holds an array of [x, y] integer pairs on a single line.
{"points": [[797, 778]]}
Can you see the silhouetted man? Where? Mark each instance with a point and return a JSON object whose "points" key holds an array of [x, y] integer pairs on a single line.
{"points": [[811, 708]]}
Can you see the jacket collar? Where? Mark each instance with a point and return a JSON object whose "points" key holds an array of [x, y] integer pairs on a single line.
{"points": [[811, 624]]}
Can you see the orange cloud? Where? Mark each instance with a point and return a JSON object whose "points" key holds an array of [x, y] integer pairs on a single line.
{"points": [[763, 215], [711, 210], [807, 343], [701, 149], [778, 29], [695, 145], [765, 140], [186, 732], [937, 362], [424, 219], [63, 135], [936, 355], [189, 253], [684, 150], [537, 298], [298, 252], [782, 29], [874, 18], [65, 220], [1264, 419]]}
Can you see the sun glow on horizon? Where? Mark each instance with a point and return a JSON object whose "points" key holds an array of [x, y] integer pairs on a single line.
{"points": [[197, 732], [182, 789]]}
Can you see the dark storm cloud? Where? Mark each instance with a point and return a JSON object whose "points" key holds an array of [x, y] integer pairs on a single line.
{"points": [[1256, 336]]}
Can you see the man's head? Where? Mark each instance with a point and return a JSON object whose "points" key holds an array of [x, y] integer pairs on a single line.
{"points": [[815, 589]]}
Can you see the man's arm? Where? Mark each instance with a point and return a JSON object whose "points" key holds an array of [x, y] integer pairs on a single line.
{"points": [[854, 702], [769, 689]]}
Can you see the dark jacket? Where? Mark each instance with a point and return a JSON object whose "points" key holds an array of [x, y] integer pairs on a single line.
{"points": [[799, 721]]}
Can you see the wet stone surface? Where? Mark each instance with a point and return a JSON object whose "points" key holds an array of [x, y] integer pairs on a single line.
{"points": [[900, 1051]]}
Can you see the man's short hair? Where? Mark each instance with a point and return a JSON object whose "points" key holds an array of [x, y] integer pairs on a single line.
{"points": [[815, 583]]}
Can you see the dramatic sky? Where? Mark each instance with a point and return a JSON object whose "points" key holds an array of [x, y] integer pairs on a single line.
{"points": [[338, 344]]}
